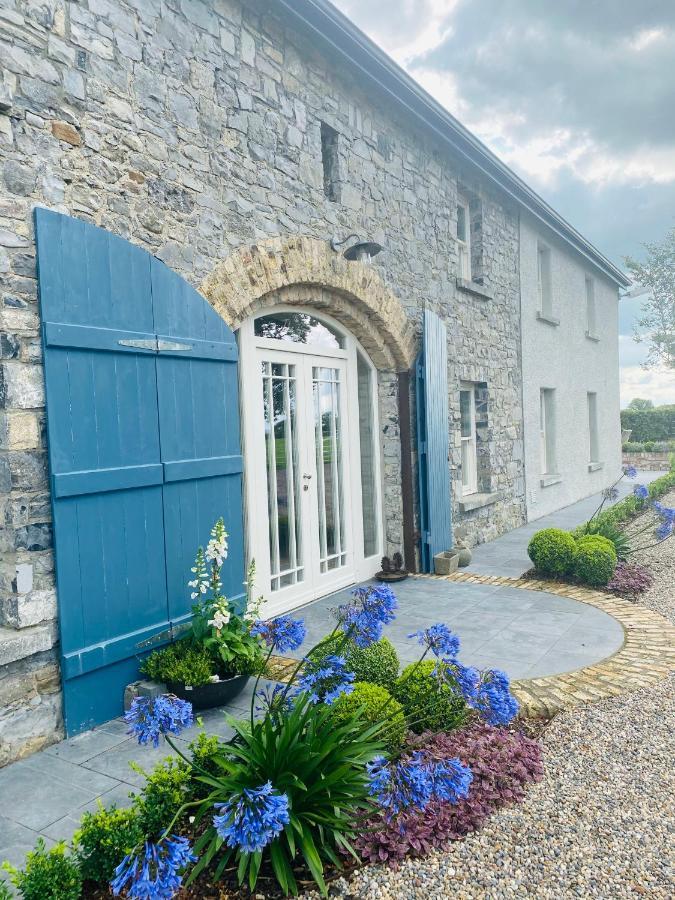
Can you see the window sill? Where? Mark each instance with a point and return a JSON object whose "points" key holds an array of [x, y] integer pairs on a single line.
{"points": [[595, 466], [478, 501], [548, 480], [593, 337], [549, 320], [472, 287]]}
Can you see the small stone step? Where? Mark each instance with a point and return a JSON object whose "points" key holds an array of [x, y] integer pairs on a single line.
{"points": [[25, 642]]}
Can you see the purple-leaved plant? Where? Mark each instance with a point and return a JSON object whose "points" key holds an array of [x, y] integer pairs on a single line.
{"points": [[630, 580], [502, 763]]}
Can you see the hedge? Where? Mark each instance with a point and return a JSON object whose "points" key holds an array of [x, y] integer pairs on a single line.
{"points": [[649, 424]]}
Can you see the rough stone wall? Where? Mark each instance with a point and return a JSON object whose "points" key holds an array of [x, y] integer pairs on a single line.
{"points": [[193, 127]]}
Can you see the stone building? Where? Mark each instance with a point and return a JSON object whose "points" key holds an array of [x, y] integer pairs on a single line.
{"points": [[233, 141]]}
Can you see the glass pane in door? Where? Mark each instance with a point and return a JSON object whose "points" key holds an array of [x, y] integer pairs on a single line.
{"points": [[279, 386], [328, 447]]}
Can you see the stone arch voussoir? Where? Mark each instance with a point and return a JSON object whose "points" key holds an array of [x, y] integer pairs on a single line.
{"points": [[304, 271]]}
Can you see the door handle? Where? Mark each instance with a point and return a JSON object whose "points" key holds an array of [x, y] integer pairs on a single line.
{"points": [[307, 477]]}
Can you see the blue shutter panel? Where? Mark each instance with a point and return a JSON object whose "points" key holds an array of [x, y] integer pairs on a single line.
{"points": [[435, 496], [137, 440]]}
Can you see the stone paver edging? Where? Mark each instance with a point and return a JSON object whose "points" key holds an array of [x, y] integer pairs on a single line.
{"points": [[647, 654]]}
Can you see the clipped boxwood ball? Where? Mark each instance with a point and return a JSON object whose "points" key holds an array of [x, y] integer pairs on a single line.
{"points": [[377, 705], [376, 664], [428, 704], [552, 551], [595, 560]]}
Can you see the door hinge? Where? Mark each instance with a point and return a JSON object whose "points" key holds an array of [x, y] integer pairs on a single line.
{"points": [[140, 344], [173, 346], [155, 344], [169, 634]]}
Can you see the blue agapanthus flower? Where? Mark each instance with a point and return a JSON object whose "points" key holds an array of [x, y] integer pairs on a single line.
{"points": [[411, 783], [494, 701], [327, 681], [630, 471], [664, 530], [666, 526], [641, 491], [155, 871], [252, 820], [364, 618], [282, 634], [149, 719], [467, 679], [440, 640], [451, 780], [400, 785]]}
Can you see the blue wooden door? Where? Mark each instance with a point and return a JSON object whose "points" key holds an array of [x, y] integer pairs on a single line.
{"points": [[433, 442], [143, 436]]}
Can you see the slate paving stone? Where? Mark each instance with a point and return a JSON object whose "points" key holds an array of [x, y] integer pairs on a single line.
{"points": [[85, 746], [115, 763], [35, 801]]}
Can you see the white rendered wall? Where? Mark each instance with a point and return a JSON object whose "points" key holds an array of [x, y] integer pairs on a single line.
{"points": [[562, 357]]}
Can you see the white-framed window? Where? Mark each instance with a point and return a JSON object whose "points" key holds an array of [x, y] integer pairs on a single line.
{"points": [[593, 444], [591, 324], [467, 412], [544, 280], [464, 238], [547, 431]]}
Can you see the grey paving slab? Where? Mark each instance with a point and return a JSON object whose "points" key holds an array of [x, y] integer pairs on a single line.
{"points": [[38, 802], [85, 746]]}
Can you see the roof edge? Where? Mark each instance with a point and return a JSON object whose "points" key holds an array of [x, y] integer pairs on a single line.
{"points": [[332, 26]]}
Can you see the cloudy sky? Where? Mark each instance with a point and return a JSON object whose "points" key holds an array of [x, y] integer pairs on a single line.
{"points": [[577, 96]]}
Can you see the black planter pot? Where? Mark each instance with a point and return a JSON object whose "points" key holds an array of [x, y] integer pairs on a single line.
{"points": [[392, 577], [206, 696]]}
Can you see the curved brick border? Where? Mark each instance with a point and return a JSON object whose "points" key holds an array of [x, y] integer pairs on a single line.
{"points": [[647, 654], [305, 271]]}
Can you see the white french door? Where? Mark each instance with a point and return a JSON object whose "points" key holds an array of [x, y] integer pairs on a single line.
{"points": [[303, 463]]}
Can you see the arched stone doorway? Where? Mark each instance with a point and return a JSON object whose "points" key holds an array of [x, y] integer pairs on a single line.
{"points": [[319, 338]]}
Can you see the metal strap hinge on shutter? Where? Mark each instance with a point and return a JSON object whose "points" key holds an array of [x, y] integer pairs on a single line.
{"points": [[155, 344], [169, 634]]}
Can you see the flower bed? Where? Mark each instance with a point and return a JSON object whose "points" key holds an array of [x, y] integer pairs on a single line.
{"points": [[598, 553], [310, 784]]}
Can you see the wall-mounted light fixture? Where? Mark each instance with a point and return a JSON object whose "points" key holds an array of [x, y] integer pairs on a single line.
{"points": [[361, 251]]}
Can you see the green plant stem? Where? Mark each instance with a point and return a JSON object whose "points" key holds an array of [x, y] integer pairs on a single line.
{"points": [[257, 682]]}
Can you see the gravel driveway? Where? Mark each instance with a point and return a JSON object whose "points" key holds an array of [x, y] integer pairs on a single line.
{"points": [[600, 824]]}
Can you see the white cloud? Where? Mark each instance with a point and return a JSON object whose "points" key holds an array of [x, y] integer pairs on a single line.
{"points": [[657, 385]]}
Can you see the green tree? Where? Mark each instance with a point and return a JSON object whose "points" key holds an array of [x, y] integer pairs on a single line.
{"points": [[640, 403], [658, 312]]}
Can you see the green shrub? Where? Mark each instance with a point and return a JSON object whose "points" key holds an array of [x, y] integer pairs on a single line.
{"points": [[377, 705], [607, 529], [428, 704], [5, 893], [167, 787], [103, 840], [180, 662], [47, 874], [595, 560], [552, 551], [376, 664], [204, 751]]}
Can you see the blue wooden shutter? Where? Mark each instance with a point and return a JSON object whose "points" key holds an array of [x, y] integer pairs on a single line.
{"points": [[198, 398], [435, 497], [133, 432]]}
